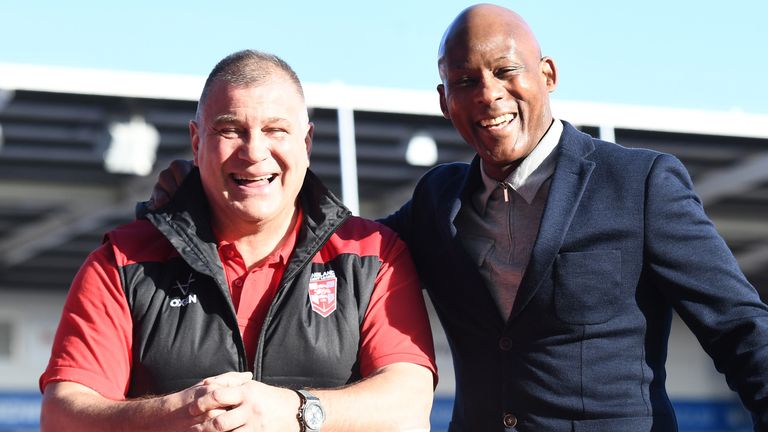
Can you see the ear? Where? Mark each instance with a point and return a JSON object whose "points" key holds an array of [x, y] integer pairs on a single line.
{"points": [[549, 71], [194, 138], [443, 103], [308, 138]]}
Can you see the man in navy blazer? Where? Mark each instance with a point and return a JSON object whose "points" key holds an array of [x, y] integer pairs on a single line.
{"points": [[554, 260], [557, 295]]}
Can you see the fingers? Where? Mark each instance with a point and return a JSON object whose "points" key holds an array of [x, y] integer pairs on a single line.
{"points": [[180, 168], [205, 417], [165, 187], [158, 199], [218, 392], [250, 406], [168, 182], [231, 420], [229, 379], [216, 398]]}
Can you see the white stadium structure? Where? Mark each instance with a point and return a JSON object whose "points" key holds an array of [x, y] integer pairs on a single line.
{"points": [[78, 149]]}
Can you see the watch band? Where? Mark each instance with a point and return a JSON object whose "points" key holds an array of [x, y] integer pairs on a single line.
{"points": [[309, 402]]}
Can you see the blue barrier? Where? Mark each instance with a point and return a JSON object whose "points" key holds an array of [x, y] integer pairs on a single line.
{"points": [[693, 415], [712, 415], [20, 412]]}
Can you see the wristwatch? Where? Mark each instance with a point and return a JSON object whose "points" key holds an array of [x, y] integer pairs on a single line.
{"points": [[311, 415]]}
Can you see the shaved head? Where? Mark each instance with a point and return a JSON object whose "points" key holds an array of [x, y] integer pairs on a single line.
{"points": [[495, 85], [481, 21]]}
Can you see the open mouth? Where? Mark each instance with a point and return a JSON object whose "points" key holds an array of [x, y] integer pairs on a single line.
{"points": [[497, 122], [251, 181]]}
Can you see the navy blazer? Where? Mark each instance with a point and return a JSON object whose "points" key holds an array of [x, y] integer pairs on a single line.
{"points": [[623, 241]]}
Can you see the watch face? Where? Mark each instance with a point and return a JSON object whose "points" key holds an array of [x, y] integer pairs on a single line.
{"points": [[313, 416]]}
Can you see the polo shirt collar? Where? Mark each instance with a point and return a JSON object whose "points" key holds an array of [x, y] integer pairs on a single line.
{"points": [[279, 256]]}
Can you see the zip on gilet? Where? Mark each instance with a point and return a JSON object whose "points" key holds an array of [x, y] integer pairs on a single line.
{"points": [[185, 327]]}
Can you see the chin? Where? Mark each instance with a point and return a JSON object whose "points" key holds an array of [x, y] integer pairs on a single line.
{"points": [[251, 214]]}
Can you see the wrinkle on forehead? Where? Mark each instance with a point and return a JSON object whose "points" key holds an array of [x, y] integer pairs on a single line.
{"points": [[284, 85]]}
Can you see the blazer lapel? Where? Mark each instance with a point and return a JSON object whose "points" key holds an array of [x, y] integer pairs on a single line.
{"points": [[450, 204], [471, 289], [568, 183]]}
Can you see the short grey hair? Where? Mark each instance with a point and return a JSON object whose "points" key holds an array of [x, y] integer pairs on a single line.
{"points": [[248, 68]]}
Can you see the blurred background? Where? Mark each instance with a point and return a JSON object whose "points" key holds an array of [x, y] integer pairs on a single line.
{"points": [[95, 100]]}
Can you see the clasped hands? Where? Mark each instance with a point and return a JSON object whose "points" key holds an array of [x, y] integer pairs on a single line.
{"points": [[233, 401]]}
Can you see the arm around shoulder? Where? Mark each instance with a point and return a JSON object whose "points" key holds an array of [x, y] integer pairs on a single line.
{"points": [[400, 221]]}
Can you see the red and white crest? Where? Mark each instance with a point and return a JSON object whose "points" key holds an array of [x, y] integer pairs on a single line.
{"points": [[322, 292]]}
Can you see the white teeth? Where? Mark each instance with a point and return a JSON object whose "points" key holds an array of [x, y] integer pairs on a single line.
{"points": [[497, 120], [253, 179]]}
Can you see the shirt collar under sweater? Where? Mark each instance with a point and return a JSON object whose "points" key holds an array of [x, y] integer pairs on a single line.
{"points": [[528, 177]]}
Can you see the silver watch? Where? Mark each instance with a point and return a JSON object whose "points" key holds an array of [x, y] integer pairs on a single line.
{"points": [[311, 415]]}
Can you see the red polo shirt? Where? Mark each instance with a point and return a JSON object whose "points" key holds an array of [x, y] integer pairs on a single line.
{"points": [[94, 341], [253, 290]]}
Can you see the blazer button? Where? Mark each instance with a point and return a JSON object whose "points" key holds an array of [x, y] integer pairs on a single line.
{"points": [[510, 420], [505, 343]]}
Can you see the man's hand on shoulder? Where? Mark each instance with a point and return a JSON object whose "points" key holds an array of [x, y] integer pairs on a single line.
{"points": [[168, 182]]}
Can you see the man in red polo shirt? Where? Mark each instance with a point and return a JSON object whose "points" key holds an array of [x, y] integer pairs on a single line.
{"points": [[253, 300]]}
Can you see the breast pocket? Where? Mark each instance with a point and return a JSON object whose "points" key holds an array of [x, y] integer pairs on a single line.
{"points": [[588, 286]]}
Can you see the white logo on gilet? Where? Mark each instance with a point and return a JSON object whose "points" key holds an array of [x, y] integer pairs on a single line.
{"points": [[187, 298]]}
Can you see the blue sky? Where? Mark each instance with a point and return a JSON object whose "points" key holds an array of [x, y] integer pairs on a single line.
{"points": [[672, 53]]}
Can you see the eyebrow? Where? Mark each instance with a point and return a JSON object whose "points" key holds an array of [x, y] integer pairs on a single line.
{"points": [[464, 65], [277, 120], [225, 118], [232, 118]]}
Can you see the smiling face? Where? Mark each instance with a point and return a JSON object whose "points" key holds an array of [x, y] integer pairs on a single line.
{"points": [[251, 143], [495, 86]]}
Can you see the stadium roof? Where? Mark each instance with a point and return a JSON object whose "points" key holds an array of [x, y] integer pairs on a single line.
{"points": [[76, 146]]}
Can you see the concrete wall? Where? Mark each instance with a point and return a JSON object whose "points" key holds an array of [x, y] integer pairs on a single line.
{"points": [[33, 317]]}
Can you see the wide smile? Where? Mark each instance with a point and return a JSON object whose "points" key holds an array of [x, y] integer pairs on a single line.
{"points": [[251, 181], [499, 122]]}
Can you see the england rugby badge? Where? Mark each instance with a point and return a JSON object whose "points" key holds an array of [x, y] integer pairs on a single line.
{"points": [[322, 292]]}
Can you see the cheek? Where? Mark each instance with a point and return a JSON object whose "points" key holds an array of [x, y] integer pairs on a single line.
{"points": [[219, 153], [459, 115], [457, 106], [295, 154], [216, 166]]}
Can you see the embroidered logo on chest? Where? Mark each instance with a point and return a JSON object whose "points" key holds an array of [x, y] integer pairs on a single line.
{"points": [[322, 292], [187, 297]]}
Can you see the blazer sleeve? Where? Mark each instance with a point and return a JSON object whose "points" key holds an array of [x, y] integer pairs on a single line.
{"points": [[400, 222], [696, 271]]}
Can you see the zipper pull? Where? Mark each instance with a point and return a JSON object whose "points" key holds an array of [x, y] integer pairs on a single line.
{"points": [[505, 188]]}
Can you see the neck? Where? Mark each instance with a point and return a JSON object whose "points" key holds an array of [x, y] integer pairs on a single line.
{"points": [[262, 239], [500, 174]]}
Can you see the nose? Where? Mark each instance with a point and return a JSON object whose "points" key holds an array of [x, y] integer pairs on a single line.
{"points": [[255, 148], [490, 90]]}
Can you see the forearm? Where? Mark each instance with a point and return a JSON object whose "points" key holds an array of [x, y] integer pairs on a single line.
{"points": [[73, 407], [396, 398]]}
